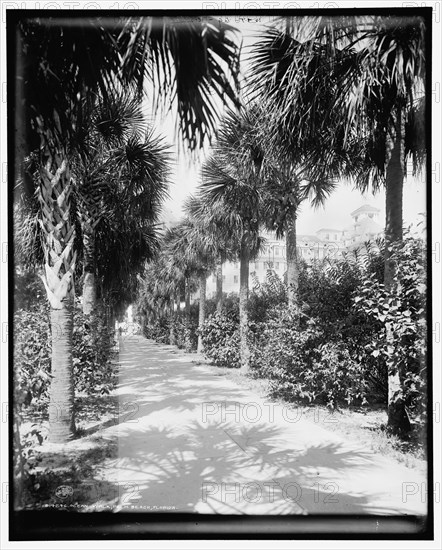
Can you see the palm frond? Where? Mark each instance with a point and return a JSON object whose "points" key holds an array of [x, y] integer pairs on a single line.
{"points": [[188, 62], [331, 83], [118, 117]]}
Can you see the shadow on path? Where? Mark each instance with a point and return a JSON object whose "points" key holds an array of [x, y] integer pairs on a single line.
{"points": [[190, 441]]}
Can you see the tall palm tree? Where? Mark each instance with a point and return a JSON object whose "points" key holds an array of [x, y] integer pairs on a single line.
{"points": [[354, 85], [232, 184], [286, 187], [191, 246], [124, 243], [351, 85], [56, 90], [215, 238], [187, 251], [155, 292], [209, 244], [56, 86], [115, 155]]}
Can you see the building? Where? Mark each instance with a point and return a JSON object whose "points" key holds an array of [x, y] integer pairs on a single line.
{"points": [[365, 227], [325, 243]]}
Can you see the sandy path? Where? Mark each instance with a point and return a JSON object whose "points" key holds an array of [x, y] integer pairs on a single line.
{"points": [[192, 441]]}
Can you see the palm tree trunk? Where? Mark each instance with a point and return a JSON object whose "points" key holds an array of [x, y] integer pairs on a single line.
{"points": [[89, 285], [187, 341], [292, 263], [219, 285], [244, 258], [187, 299], [54, 198], [202, 310], [178, 303], [398, 420], [394, 198], [172, 338], [61, 395], [89, 207]]}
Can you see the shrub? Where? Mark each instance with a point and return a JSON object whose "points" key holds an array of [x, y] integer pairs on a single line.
{"points": [[29, 290], [401, 310], [220, 335], [92, 357], [157, 330], [326, 291], [93, 375], [184, 332], [93, 340], [266, 296], [32, 363], [302, 364]]}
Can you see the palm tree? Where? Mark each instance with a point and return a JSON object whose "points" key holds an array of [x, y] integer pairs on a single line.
{"points": [[232, 185], [187, 252], [114, 155], [209, 244], [56, 90], [215, 238], [56, 87], [157, 291], [354, 86], [286, 187]]}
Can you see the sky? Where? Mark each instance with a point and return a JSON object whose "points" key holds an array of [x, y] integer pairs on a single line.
{"points": [[185, 176]]}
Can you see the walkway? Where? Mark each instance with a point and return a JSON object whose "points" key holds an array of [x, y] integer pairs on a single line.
{"points": [[192, 441]]}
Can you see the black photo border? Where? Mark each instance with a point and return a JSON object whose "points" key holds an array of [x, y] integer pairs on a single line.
{"points": [[58, 525]]}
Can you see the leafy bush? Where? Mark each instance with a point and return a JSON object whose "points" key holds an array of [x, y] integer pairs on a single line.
{"points": [[92, 357], [29, 290], [327, 289], [32, 363], [158, 330], [302, 364], [220, 335], [266, 296], [401, 310], [187, 330], [94, 373], [177, 331]]}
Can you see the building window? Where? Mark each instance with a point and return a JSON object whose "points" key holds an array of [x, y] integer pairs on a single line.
{"points": [[327, 236], [235, 278], [256, 265], [276, 251], [336, 236]]}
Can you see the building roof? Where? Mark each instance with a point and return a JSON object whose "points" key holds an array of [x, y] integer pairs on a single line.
{"points": [[325, 229], [364, 208], [305, 238]]}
